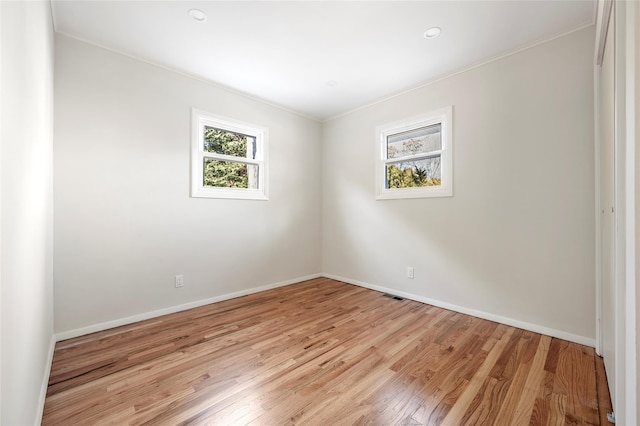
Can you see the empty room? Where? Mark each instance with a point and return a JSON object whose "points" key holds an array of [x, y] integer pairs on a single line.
{"points": [[319, 212]]}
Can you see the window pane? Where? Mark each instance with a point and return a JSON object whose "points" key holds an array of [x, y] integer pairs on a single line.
{"points": [[229, 143], [417, 141], [408, 174], [229, 174]]}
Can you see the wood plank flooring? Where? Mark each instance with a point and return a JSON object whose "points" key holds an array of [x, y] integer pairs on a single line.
{"points": [[323, 352]]}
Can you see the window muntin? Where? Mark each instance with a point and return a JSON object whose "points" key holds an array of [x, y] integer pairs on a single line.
{"points": [[228, 158], [415, 157]]}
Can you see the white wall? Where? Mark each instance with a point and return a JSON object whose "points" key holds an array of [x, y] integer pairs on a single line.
{"points": [[26, 87], [517, 238], [124, 221]]}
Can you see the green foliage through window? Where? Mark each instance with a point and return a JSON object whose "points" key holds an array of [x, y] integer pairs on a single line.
{"points": [[409, 177], [229, 143], [229, 174]]}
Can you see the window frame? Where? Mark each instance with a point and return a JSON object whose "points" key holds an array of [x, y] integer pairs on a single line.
{"points": [[442, 116], [200, 119]]}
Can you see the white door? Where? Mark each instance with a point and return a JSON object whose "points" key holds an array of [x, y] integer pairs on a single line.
{"points": [[607, 201]]}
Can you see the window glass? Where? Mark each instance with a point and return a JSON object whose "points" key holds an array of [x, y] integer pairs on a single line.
{"points": [[229, 174], [409, 174], [229, 143], [412, 142]]}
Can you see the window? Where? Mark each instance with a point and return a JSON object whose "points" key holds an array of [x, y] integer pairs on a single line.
{"points": [[414, 159], [228, 158]]}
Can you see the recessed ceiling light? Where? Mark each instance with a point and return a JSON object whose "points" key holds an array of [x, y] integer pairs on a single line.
{"points": [[198, 15], [432, 32], [332, 83]]}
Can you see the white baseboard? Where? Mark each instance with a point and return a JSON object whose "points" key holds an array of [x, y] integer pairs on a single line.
{"points": [[172, 309], [45, 381], [536, 328], [587, 341]]}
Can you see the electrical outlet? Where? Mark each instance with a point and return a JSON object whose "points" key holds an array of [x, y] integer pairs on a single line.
{"points": [[179, 281], [410, 272]]}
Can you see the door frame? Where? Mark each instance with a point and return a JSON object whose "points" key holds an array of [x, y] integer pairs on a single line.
{"points": [[626, 32]]}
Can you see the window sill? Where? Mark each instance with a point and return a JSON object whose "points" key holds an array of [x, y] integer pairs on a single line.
{"points": [[404, 193], [229, 193]]}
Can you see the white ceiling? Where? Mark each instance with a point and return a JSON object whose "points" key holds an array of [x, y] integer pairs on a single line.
{"points": [[286, 52]]}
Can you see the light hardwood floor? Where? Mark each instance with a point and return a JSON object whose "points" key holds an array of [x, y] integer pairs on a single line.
{"points": [[323, 352]]}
